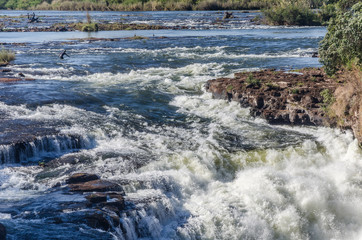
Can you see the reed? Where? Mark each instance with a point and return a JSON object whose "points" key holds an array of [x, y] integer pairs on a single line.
{"points": [[6, 56]]}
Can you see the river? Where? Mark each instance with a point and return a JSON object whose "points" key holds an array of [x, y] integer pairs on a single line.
{"points": [[192, 167]]}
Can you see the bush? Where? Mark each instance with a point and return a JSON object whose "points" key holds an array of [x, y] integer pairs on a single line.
{"points": [[6, 56], [327, 12], [342, 45], [89, 27], [291, 14], [252, 82]]}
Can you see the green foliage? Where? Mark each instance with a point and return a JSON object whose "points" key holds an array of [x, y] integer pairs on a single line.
{"points": [[229, 88], [253, 82], [342, 45], [149, 5], [327, 12], [89, 27], [291, 14], [6, 56], [294, 91], [328, 97]]}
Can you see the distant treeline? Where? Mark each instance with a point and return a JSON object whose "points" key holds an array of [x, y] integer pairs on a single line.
{"points": [[151, 5]]}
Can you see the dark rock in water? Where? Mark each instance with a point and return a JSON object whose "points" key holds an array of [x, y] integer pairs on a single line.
{"points": [[21, 74], [81, 178], [95, 186], [97, 198], [62, 161], [2, 232], [5, 70], [99, 220], [71, 159], [110, 201]]}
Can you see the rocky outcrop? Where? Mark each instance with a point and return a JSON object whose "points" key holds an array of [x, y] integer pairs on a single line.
{"points": [[98, 185], [347, 107], [280, 97], [104, 204], [303, 97]]}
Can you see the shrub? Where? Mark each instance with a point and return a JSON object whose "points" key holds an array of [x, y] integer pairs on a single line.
{"points": [[327, 12], [6, 56], [327, 96], [342, 45], [253, 82], [89, 27], [291, 14]]}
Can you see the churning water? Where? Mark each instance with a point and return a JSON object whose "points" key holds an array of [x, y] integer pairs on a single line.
{"points": [[192, 167]]}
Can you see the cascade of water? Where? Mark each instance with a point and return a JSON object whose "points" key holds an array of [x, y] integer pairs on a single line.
{"points": [[47, 146]]}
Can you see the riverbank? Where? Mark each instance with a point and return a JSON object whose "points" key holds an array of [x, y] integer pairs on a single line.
{"points": [[302, 97]]}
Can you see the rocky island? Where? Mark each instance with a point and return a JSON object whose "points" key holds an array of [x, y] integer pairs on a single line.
{"points": [[302, 97]]}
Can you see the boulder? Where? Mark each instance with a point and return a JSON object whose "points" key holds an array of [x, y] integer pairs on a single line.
{"points": [[2, 232], [97, 198], [81, 178], [98, 185], [98, 220]]}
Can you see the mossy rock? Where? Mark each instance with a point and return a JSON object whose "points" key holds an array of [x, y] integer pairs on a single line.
{"points": [[90, 27]]}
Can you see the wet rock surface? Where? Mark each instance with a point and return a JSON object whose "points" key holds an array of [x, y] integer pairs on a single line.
{"points": [[95, 186], [81, 178], [297, 98], [8, 76], [2, 232], [104, 204], [21, 140], [69, 27]]}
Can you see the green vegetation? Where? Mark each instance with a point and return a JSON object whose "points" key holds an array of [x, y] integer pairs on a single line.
{"points": [[253, 82], [327, 96], [294, 91], [146, 5], [229, 88], [6, 56], [88, 27], [342, 45], [291, 13]]}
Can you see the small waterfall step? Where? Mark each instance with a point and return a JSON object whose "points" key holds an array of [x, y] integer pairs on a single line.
{"points": [[23, 141]]}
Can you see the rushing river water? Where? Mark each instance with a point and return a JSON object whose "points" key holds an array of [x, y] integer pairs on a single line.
{"points": [[192, 167]]}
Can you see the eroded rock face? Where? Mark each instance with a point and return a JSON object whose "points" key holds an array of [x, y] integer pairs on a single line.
{"points": [[280, 97], [106, 202]]}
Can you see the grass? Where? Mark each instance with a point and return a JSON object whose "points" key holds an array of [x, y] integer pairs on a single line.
{"points": [[327, 96], [6, 56], [253, 82]]}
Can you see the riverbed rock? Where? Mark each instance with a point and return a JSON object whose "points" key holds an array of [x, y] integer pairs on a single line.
{"points": [[98, 185], [280, 97], [304, 97], [9, 79], [99, 220], [2, 232], [81, 178]]}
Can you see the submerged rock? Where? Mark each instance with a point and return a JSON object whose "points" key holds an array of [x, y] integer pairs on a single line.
{"points": [[2, 232], [81, 178]]}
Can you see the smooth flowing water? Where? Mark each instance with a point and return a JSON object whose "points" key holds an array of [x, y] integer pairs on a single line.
{"points": [[192, 167]]}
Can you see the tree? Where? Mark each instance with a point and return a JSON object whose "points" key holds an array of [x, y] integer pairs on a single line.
{"points": [[342, 45]]}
